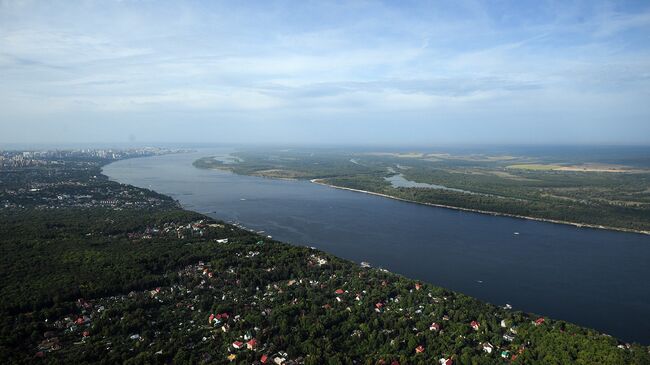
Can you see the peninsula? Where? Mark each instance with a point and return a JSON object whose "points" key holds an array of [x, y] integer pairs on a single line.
{"points": [[564, 190]]}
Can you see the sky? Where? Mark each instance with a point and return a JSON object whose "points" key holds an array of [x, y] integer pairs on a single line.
{"points": [[308, 72]]}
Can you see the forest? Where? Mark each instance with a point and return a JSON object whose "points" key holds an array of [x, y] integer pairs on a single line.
{"points": [[152, 283]]}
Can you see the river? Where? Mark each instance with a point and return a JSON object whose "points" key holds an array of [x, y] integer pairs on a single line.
{"points": [[590, 277]]}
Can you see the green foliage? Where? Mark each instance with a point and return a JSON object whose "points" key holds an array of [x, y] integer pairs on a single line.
{"points": [[143, 282]]}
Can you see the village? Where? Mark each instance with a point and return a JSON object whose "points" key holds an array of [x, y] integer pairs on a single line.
{"points": [[243, 307]]}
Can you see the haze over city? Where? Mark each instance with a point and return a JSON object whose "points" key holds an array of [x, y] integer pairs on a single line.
{"points": [[330, 72]]}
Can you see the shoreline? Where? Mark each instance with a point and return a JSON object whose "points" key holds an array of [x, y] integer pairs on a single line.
{"points": [[548, 220]]}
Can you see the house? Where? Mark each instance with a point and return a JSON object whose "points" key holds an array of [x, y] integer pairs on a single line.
{"points": [[211, 318], [223, 240], [475, 325], [487, 347], [264, 359], [231, 357], [509, 338], [434, 327], [251, 344], [279, 360], [238, 344], [539, 321], [444, 361], [419, 349], [503, 323], [505, 354], [418, 286], [339, 291]]}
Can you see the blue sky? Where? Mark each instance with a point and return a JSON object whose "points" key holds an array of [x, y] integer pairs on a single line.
{"points": [[393, 72]]}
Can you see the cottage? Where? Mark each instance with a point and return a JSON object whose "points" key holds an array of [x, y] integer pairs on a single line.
{"points": [[475, 325], [237, 344], [251, 344], [487, 347]]}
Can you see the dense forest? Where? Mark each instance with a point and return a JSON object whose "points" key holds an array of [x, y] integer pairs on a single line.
{"points": [[99, 272]]}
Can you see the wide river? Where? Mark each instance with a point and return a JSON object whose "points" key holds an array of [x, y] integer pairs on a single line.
{"points": [[595, 278]]}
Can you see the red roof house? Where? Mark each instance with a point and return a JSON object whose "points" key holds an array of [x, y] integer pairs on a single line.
{"points": [[475, 325], [339, 291], [251, 344], [237, 344], [419, 349]]}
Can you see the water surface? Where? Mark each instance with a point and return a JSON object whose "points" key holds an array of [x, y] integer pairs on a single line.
{"points": [[591, 277]]}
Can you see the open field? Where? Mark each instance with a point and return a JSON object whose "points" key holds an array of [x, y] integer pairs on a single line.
{"points": [[589, 167], [535, 167]]}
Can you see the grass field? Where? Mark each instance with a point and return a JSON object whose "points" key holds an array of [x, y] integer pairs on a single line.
{"points": [[535, 166]]}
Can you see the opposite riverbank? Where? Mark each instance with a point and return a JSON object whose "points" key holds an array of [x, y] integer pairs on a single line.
{"points": [[575, 224]]}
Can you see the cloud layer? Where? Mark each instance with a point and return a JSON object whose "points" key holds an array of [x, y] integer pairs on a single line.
{"points": [[290, 72]]}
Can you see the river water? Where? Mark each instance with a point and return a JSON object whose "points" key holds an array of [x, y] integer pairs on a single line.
{"points": [[591, 277]]}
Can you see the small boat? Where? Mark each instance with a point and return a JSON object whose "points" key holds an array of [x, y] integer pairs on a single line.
{"points": [[516, 233]]}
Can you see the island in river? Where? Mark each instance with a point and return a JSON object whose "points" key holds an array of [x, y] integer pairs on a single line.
{"points": [[565, 186], [102, 272]]}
